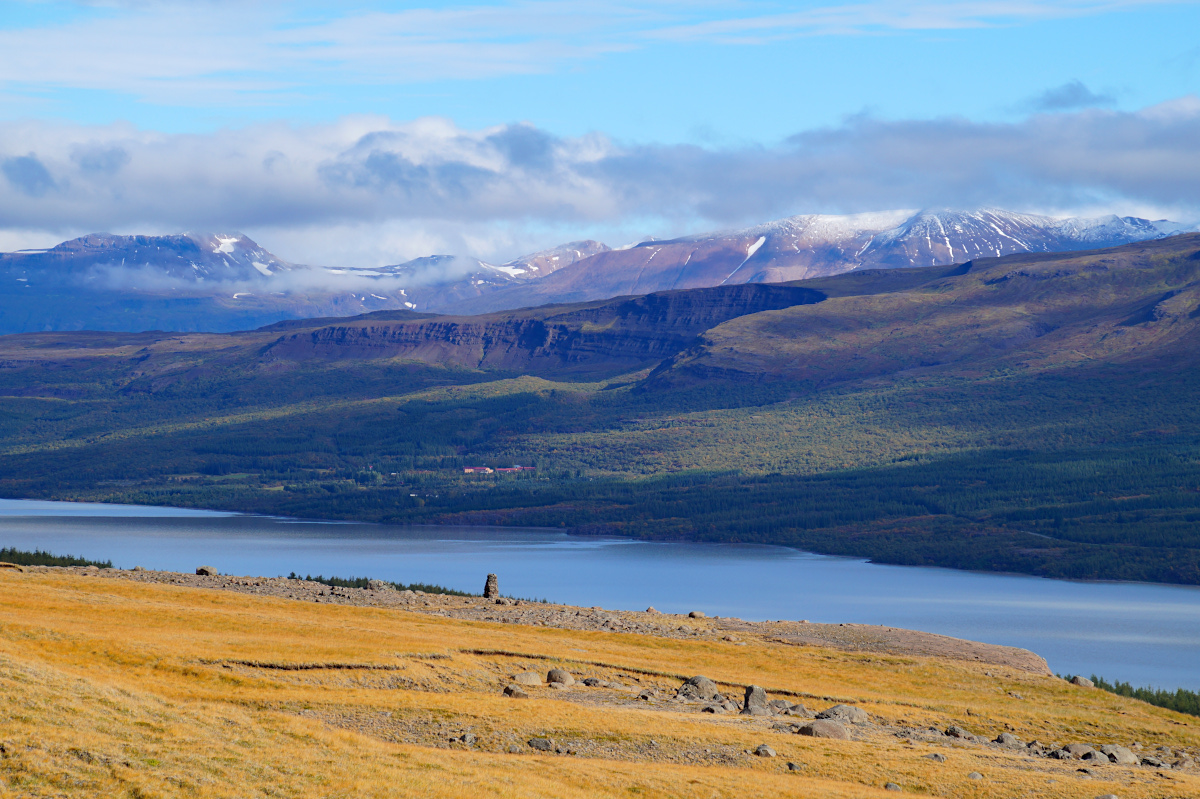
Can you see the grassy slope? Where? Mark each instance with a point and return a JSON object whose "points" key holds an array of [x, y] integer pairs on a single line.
{"points": [[119, 689], [1028, 414]]}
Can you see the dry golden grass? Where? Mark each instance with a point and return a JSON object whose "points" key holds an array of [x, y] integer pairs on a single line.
{"points": [[115, 688]]}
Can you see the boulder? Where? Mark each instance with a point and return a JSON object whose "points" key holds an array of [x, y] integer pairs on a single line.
{"points": [[515, 692], [491, 587], [1008, 739], [755, 703], [935, 756], [592, 682], [1119, 754], [764, 751], [713, 709], [542, 744], [699, 687], [559, 676], [1078, 750], [696, 614], [1082, 681], [528, 678], [379, 585], [974, 775], [207, 571], [955, 731], [891, 786], [847, 713], [1094, 757], [824, 728], [652, 609]]}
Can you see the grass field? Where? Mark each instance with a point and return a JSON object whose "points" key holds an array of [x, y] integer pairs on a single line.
{"points": [[113, 688]]}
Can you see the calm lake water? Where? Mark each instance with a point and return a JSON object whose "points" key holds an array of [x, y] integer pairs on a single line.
{"points": [[1146, 634]]}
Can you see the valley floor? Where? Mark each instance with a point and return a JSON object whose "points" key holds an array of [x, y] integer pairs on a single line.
{"points": [[155, 684]]}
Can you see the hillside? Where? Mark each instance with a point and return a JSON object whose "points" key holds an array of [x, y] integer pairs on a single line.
{"points": [[1028, 413], [138, 684]]}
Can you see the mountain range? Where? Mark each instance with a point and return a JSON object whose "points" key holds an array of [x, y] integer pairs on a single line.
{"points": [[224, 282]]}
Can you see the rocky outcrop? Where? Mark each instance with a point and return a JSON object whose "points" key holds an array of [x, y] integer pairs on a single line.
{"points": [[612, 336]]}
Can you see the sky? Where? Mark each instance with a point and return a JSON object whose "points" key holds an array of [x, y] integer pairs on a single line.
{"points": [[362, 133]]}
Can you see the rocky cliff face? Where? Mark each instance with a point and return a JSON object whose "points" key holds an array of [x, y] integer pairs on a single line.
{"points": [[608, 337]]}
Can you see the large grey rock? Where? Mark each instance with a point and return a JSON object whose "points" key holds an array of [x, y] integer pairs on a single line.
{"points": [[891, 786], [542, 744], [379, 585], [824, 728], [1008, 739], [764, 751], [528, 678], [559, 677], [955, 731], [1079, 750], [696, 614], [755, 703], [699, 687], [1082, 681], [847, 713], [515, 692], [491, 588], [1119, 754], [207, 571], [1095, 757]]}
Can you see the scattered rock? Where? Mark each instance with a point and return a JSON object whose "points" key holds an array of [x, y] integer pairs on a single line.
{"points": [[1079, 750], [847, 713], [468, 739], [954, 731], [891, 786], [824, 728], [1008, 739], [542, 744], [560, 677], [652, 609], [379, 585], [1153, 762], [699, 687], [935, 756], [1119, 754], [713, 709], [491, 587], [696, 614], [515, 692], [764, 751], [592, 682], [208, 571], [648, 694], [755, 703], [528, 678], [974, 775], [1082, 681], [794, 766]]}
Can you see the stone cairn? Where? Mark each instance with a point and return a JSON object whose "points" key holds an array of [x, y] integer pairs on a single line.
{"points": [[491, 589]]}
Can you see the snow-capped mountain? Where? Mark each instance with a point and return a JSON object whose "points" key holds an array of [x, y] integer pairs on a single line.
{"points": [[228, 282], [190, 258], [816, 246]]}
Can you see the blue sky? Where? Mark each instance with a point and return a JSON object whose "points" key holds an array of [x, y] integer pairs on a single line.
{"points": [[697, 93]]}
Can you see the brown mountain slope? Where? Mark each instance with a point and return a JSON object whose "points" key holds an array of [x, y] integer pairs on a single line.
{"points": [[1020, 312]]}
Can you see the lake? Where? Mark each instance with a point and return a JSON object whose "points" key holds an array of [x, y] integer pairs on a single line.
{"points": [[1146, 634]]}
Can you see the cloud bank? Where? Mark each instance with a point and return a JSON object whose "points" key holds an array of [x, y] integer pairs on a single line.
{"points": [[431, 182]]}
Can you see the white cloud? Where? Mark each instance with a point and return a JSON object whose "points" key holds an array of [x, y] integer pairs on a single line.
{"points": [[369, 188]]}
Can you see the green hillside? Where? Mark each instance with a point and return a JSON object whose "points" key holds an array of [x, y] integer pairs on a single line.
{"points": [[1031, 413]]}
